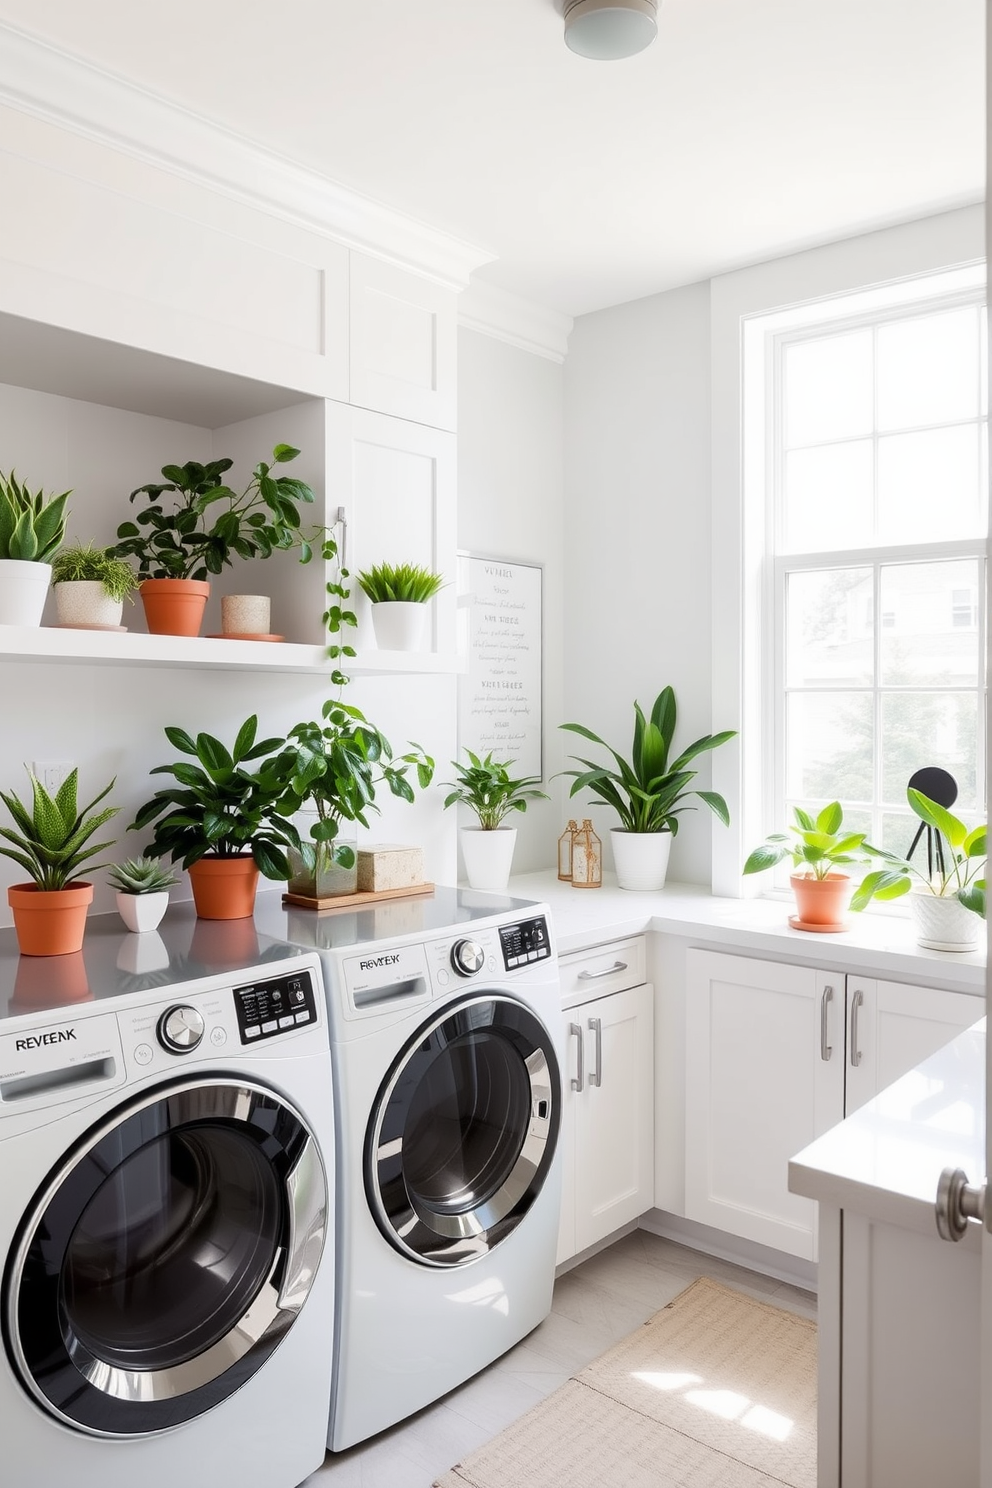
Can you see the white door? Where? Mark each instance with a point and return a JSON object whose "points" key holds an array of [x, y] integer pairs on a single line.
{"points": [[986, 1415]]}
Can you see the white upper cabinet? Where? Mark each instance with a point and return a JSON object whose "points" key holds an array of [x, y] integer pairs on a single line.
{"points": [[403, 343]]}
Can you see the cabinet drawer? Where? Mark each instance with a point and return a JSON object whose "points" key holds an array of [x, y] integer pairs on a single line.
{"points": [[607, 968]]}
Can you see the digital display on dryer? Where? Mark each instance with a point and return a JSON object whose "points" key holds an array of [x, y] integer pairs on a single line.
{"points": [[525, 942], [272, 1007]]}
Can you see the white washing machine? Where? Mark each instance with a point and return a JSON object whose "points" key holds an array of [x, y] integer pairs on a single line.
{"points": [[447, 1050], [166, 1235]]}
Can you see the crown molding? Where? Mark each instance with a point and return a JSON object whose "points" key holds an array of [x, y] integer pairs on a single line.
{"points": [[496, 312], [75, 95]]}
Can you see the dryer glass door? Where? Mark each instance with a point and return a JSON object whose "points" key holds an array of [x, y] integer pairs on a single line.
{"points": [[464, 1131], [166, 1258]]}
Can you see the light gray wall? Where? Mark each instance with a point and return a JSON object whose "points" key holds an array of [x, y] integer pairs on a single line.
{"points": [[510, 505], [637, 531]]}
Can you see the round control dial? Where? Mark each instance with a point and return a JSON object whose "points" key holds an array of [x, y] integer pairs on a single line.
{"points": [[467, 957], [180, 1029]]}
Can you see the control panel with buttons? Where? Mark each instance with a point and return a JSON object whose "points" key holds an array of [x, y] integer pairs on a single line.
{"points": [[272, 1007], [524, 943]]}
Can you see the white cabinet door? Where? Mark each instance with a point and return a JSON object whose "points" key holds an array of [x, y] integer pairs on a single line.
{"points": [[396, 482], [608, 1120], [764, 1077], [404, 332], [893, 1027]]}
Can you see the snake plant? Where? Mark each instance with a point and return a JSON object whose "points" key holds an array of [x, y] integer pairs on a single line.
{"points": [[32, 525], [52, 837]]}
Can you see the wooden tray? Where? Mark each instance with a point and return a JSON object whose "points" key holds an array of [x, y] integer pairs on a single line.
{"points": [[358, 899]]}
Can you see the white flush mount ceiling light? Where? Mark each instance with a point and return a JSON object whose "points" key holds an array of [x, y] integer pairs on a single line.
{"points": [[609, 29]]}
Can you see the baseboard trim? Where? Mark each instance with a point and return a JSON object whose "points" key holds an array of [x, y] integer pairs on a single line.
{"points": [[792, 1270]]}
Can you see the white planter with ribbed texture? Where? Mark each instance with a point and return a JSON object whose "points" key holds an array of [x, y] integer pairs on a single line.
{"points": [[640, 858], [399, 624], [943, 923], [86, 603], [488, 856], [23, 591]]}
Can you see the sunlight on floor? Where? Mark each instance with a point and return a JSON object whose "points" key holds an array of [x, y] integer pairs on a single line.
{"points": [[725, 1403]]}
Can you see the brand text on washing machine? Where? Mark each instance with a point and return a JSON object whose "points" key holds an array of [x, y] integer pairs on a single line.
{"points": [[378, 961], [60, 1036]]}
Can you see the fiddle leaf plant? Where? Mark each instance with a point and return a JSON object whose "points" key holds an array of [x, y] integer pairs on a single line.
{"points": [[209, 524], [818, 845], [646, 790], [219, 806], [486, 787], [52, 838]]}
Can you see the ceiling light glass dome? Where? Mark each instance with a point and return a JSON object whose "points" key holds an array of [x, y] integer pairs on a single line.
{"points": [[609, 29]]}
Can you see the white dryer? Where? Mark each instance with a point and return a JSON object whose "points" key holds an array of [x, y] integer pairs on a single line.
{"points": [[166, 1165], [447, 1050]]}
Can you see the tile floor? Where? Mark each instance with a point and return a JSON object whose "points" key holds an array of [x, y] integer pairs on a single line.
{"points": [[595, 1305]]}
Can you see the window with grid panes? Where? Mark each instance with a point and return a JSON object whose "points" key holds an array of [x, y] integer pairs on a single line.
{"points": [[878, 492]]}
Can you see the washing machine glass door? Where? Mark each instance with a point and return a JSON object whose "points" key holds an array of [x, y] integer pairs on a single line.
{"points": [[165, 1259], [464, 1131]]}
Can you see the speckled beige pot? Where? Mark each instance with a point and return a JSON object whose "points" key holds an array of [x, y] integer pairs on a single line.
{"points": [[86, 602], [245, 614]]}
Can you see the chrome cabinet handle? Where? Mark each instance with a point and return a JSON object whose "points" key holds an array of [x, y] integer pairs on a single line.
{"points": [[578, 1079], [858, 999], [596, 1027], [594, 976], [825, 1049]]}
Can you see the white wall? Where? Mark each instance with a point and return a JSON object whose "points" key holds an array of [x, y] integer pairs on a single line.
{"points": [[637, 532], [510, 505]]}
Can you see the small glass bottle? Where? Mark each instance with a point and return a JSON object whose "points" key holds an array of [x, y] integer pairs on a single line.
{"points": [[565, 852], [587, 858]]}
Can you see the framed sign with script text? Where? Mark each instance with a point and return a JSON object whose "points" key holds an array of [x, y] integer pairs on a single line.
{"points": [[499, 698]]}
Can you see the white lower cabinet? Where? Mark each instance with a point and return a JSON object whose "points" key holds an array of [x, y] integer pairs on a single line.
{"points": [[608, 1117], [776, 1054]]}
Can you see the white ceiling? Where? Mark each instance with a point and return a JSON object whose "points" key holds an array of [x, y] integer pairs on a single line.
{"points": [[750, 128]]}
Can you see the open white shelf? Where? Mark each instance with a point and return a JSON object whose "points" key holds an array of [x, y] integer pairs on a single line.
{"points": [[133, 648]]}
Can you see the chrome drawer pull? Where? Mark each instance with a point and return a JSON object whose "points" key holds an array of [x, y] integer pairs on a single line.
{"points": [[578, 1080], [596, 1027], [858, 999], [593, 976], [825, 1049]]}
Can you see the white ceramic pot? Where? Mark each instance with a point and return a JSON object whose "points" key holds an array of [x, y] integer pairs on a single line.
{"points": [[640, 858], [23, 591], [86, 603], [943, 923], [398, 624], [142, 912], [488, 856], [246, 614], [140, 954]]}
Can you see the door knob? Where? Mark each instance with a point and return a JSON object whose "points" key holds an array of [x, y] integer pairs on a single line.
{"points": [[958, 1201]]}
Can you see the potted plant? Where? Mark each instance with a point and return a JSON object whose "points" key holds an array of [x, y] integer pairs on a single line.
{"points": [[208, 526], [399, 593], [335, 768], [142, 886], [90, 586], [948, 899], [820, 848], [224, 822], [486, 787], [51, 840], [646, 791], [32, 526]]}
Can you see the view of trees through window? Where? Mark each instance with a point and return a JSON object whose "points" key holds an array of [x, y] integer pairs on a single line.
{"points": [[880, 442]]}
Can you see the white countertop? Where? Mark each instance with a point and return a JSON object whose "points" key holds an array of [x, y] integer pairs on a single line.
{"points": [[875, 944], [886, 1159]]}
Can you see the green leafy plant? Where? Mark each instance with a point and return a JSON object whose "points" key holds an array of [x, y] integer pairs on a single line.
{"points": [[339, 617], [210, 524], [646, 791], [140, 876], [959, 870], [95, 565], [52, 839], [218, 806], [819, 845], [486, 787], [32, 525], [399, 581], [336, 766]]}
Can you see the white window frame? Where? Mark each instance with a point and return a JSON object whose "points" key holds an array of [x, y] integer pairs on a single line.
{"points": [[801, 288]]}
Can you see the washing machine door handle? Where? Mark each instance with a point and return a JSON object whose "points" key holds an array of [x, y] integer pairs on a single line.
{"points": [[307, 1200]]}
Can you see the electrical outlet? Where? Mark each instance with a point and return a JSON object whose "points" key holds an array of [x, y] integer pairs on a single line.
{"points": [[51, 773]]}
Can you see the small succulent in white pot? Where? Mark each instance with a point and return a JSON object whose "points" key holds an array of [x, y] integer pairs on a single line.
{"points": [[142, 886]]}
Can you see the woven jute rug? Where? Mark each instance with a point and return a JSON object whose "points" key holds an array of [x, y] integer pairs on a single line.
{"points": [[717, 1390]]}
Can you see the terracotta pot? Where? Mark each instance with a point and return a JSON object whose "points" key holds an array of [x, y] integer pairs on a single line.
{"points": [[49, 922], [174, 606], [224, 888], [822, 901]]}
